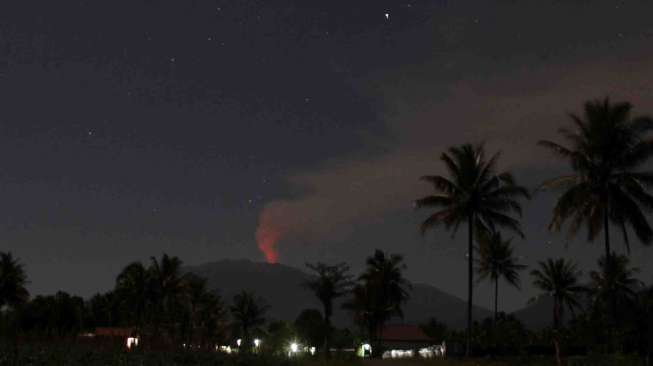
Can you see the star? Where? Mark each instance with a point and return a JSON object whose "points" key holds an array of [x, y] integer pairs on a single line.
{"points": [[387, 16]]}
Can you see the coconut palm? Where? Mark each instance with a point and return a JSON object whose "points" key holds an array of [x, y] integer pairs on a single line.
{"points": [[384, 288], [134, 292], [362, 306], [614, 282], [330, 283], [204, 311], [607, 148], [559, 279], [212, 317], [12, 281], [475, 194], [496, 261], [167, 288], [248, 314]]}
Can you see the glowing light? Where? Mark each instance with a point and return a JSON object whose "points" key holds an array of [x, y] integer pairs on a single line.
{"points": [[387, 16], [365, 350], [225, 349], [132, 342], [238, 342], [294, 347], [312, 350], [257, 342], [267, 236]]}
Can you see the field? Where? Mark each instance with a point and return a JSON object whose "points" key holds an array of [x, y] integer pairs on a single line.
{"points": [[75, 355]]}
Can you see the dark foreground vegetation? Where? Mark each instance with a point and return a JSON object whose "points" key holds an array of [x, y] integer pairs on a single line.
{"points": [[605, 318], [74, 354]]}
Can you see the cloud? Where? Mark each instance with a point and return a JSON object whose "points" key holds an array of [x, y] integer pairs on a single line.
{"points": [[509, 112]]}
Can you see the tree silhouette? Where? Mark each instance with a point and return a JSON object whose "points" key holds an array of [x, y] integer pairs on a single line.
{"points": [[248, 315], [614, 285], [607, 147], [473, 193], [167, 288], [380, 294], [311, 326], [330, 283], [496, 261], [204, 311], [558, 279], [134, 293], [13, 280]]}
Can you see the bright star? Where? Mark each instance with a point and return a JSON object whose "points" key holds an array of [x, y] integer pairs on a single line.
{"points": [[387, 16]]}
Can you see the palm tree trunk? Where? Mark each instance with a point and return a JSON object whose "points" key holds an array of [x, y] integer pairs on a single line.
{"points": [[470, 274], [327, 335], [556, 344], [496, 300], [606, 230], [556, 330], [608, 266]]}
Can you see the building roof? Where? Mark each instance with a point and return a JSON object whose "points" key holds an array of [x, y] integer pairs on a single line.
{"points": [[115, 332], [404, 333]]}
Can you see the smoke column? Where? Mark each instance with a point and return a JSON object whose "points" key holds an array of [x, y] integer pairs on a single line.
{"points": [[266, 238], [268, 233]]}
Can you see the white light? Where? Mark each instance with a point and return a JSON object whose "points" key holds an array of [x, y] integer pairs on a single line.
{"points": [[294, 347], [238, 342], [366, 347], [225, 349], [132, 342], [257, 342], [312, 351], [387, 16]]}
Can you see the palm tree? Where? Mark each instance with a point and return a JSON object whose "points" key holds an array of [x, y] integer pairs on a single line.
{"points": [[473, 193], [607, 147], [13, 292], [558, 279], [167, 287], [248, 314], [386, 287], [13, 280], [614, 283], [134, 292], [362, 306], [331, 283], [204, 310], [497, 261], [211, 318]]}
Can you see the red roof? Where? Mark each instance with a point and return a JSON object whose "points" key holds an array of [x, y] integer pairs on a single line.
{"points": [[114, 332], [403, 333]]}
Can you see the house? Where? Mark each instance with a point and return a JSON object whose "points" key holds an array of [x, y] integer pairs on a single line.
{"points": [[403, 341], [113, 336]]}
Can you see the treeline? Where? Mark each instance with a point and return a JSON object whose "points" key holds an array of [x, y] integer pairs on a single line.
{"points": [[611, 312], [169, 308], [606, 149], [156, 300]]}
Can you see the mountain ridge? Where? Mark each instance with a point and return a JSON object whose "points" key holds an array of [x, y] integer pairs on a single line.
{"points": [[281, 287]]}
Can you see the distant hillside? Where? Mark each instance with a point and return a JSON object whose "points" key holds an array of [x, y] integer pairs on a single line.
{"points": [[538, 314], [281, 287]]}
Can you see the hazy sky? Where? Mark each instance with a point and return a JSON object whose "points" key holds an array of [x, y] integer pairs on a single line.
{"points": [[129, 128]]}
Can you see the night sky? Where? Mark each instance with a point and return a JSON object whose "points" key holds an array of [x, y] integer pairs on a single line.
{"points": [[129, 128]]}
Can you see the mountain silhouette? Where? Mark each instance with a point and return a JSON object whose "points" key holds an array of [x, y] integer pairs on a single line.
{"points": [[281, 287]]}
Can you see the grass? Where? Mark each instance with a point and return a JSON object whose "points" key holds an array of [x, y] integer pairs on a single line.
{"points": [[80, 355]]}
